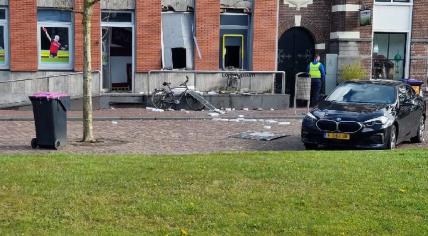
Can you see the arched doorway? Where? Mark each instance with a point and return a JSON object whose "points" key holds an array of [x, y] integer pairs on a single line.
{"points": [[296, 48]]}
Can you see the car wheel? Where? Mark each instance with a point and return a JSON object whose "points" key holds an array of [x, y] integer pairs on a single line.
{"points": [[310, 146], [392, 140], [419, 138]]}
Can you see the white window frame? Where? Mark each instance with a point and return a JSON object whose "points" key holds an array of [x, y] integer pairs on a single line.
{"points": [[50, 24], [391, 2], [408, 32], [5, 24]]}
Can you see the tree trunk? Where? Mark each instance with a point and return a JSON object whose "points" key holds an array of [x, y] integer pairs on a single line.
{"points": [[88, 135]]}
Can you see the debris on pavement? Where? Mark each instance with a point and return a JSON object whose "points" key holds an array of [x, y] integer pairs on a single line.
{"points": [[220, 119], [154, 109], [260, 136]]}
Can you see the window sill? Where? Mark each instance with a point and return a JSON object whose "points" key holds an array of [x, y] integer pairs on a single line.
{"points": [[395, 4]]}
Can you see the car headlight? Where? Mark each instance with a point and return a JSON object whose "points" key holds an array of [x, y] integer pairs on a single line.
{"points": [[310, 116], [382, 120]]}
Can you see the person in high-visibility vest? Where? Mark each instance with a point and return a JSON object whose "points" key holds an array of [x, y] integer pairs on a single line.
{"points": [[316, 71]]}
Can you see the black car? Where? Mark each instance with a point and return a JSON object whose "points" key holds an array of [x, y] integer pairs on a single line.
{"points": [[374, 114]]}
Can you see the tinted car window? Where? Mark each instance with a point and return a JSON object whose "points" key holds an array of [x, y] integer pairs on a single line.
{"points": [[363, 93]]}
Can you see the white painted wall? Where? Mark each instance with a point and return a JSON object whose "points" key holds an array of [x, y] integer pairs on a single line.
{"points": [[392, 18]]}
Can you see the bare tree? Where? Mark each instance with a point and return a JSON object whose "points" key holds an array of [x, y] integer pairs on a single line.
{"points": [[88, 135]]}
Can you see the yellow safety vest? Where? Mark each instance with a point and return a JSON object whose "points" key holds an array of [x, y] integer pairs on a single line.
{"points": [[314, 70]]}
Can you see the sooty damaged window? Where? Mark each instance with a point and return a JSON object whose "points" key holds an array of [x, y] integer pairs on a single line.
{"points": [[235, 41], [177, 40]]}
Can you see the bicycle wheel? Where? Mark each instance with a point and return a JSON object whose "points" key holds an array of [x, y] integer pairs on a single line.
{"points": [[193, 104], [160, 99]]}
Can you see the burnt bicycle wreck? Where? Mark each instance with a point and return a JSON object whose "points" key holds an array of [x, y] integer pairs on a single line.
{"points": [[229, 91]]}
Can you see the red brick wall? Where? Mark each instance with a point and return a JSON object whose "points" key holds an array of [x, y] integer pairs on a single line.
{"points": [[208, 34], [148, 34], [23, 35], [315, 18], [78, 37], [265, 35], [350, 21], [419, 43]]}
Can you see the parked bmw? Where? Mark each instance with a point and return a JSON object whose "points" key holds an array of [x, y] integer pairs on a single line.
{"points": [[374, 114]]}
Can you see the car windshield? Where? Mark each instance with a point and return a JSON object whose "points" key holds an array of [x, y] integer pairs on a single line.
{"points": [[364, 93]]}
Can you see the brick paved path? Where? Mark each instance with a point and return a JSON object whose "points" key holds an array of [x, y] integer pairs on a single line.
{"points": [[155, 137], [163, 136], [124, 113]]}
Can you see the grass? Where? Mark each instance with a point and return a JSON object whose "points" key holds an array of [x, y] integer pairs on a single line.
{"points": [[63, 57], [296, 193], [2, 56]]}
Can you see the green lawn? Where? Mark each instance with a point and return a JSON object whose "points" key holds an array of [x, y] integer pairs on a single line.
{"points": [[2, 56], [63, 56], [293, 193]]}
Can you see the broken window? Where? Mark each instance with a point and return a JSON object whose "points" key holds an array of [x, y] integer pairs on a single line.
{"points": [[177, 40], [112, 16], [178, 58], [235, 41], [233, 51]]}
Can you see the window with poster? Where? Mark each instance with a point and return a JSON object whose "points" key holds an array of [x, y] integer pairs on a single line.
{"points": [[4, 42], [55, 39]]}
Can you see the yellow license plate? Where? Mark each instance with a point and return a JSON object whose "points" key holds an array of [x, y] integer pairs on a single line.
{"points": [[340, 136]]}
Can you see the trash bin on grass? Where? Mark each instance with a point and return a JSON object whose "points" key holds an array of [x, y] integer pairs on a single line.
{"points": [[416, 85], [50, 118]]}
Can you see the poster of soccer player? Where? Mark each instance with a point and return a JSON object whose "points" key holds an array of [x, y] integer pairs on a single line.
{"points": [[54, 45]]}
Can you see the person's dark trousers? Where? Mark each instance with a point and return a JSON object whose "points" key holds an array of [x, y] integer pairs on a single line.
{"points": [[315, 91]]}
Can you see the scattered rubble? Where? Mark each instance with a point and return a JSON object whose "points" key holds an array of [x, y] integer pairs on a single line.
{"points": [[271, 121], [154, 109], [260, 136]]}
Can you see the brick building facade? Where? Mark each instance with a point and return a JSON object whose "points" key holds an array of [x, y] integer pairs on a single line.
{"points": [[392, 46], [136, 44]]}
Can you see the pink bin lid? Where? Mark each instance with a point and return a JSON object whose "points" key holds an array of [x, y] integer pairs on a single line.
{"points": [[49, 95]]}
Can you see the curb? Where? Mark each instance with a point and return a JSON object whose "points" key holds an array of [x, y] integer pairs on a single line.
{"points": [[157, 118]]}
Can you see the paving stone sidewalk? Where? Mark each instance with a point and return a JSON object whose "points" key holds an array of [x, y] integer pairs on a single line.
{"points": [[169, 136], [148, 114], [156, 137]]}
